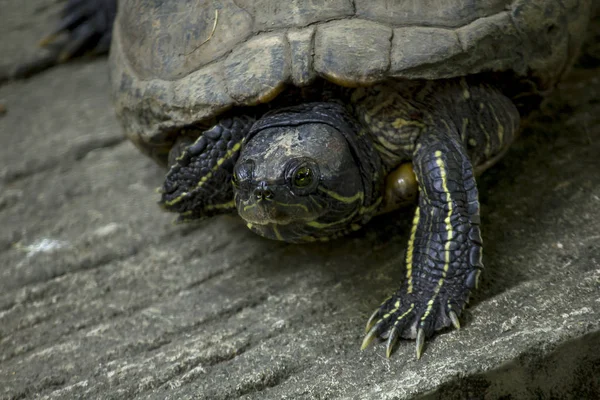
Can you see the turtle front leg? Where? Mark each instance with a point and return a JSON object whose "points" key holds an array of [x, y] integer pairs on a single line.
{"points": [[443, 259], [199, 182], [444, 255]]}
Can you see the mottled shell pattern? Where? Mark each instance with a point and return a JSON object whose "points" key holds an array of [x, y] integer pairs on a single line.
{"points": [[180, 62]]}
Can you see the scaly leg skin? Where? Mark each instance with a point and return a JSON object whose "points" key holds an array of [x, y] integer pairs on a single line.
{"points": [[198, 184], [444, 255], [87, 29]]}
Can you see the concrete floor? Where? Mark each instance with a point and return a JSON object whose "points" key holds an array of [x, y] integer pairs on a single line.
{"points": [[102, 297]]}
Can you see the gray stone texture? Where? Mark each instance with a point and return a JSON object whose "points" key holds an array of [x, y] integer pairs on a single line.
{"points": [[101, 296]]}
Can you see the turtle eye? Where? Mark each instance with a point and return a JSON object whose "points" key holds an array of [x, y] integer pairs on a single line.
{"points": [[243, 172], [303, 177]]}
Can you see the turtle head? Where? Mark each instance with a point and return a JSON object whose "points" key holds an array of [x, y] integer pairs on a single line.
{"points": [[298, 179]]}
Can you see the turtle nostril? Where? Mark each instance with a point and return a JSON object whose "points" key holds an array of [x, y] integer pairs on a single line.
{"points": [[263, 192]]}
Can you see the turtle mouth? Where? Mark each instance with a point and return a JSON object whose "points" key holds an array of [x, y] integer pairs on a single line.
{"points": [[269, 212]]}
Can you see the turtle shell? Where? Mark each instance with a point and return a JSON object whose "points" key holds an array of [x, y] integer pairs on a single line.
{"points": [[181, 62]]}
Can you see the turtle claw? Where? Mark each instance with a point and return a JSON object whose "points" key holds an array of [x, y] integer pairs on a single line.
{"points": [[372, 321], [370, 336], [454, 318], [414, 316], [391, 341], [420, 342]]}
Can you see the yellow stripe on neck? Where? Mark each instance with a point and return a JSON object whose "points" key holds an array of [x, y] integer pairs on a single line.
{"points": [[339, 197]]}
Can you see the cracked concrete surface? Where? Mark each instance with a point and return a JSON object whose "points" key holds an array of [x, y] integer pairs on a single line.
{"points": [[102, 297]]}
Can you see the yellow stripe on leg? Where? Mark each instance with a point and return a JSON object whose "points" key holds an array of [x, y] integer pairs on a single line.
{"points": [[209, 175], [222, 206], [409, 251], [449, 232]]}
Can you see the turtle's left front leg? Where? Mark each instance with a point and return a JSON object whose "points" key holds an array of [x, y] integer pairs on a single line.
{"points": [[444, 255], [199, 182]]}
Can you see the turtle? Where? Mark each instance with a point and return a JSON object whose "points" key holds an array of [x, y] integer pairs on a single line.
{"points": [[307, 118]]}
